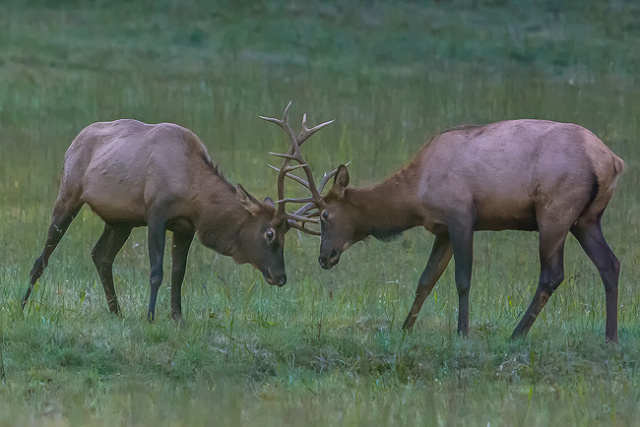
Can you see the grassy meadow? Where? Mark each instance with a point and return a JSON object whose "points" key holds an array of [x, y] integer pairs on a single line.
{"points": [[326, 349]]}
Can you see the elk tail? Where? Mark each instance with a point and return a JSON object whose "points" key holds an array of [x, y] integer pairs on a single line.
{"points": [[618, 165]]}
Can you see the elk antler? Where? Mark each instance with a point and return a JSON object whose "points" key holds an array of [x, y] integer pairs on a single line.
{"points": [[302, 215]]}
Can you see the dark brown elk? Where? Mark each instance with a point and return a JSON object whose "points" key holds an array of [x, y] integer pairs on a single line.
{"points": [[530, 175], [160, 175]]}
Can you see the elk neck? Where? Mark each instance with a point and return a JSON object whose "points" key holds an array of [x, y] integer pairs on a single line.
{"points": [[386, 209], [219, 215]]}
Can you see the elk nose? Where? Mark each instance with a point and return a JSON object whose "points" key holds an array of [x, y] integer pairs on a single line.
{"points": [[283, 280], [322, 262]]}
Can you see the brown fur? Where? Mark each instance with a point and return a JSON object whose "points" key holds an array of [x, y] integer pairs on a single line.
{"points": [[518, 174], [133, 174]]}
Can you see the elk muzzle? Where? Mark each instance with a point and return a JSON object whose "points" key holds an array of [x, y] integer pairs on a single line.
{"points": [[328, 261], [275, 278]]}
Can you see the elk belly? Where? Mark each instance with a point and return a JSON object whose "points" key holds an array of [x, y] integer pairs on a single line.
{"points": [[115, 199], [505, 214]]}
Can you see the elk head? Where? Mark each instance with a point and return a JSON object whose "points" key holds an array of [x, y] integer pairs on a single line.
{"points": [[261, 238], [339, 228]]}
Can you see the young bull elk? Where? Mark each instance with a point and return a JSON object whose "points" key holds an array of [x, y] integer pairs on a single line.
{"points": [[160, 175], [518, 174]]}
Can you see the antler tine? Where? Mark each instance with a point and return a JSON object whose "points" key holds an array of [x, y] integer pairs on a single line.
{"points": [[292, 168], [284, 116], [307, 200], [306, 133], [296, 178], [327, 177], [301, 227], [303, 210], [289, 169], [284, 124], [301, 218], [284, 156]]}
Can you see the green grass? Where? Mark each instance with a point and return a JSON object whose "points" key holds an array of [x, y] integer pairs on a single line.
{"points": [[327, 349]]}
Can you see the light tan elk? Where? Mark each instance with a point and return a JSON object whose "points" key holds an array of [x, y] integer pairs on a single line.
{"points": [[530, 175], [160, 175]]}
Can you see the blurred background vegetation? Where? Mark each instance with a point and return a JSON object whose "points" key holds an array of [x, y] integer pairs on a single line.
{"points": [[326, 349]]}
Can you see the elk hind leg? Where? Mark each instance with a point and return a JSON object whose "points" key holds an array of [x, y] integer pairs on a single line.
{"points": [[590, 236], [103, 254], [63, 214], [551, 276], [437, 263]]}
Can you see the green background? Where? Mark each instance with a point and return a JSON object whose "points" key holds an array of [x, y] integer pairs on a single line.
{"points": [[327, 349]]}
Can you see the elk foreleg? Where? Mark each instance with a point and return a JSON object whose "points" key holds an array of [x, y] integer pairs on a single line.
{"points": [[461, 235], [551, 275], [179, 252], [104, 252], [592, 241], [157, 235], [63, 215], [437, 263]]}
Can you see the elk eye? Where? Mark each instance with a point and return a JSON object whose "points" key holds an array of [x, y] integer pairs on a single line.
{"points": [[270, 234], [325, 215]]}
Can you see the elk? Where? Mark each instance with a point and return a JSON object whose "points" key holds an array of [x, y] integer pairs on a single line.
{"points": [[160, 175], [532, 175]]}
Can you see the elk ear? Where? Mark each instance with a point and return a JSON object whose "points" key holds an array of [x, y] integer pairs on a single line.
{"points": [[341, 181], [248, 201], [269, 201]]}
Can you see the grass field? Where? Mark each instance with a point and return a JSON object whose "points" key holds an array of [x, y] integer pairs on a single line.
{"points": [[326, 349]]}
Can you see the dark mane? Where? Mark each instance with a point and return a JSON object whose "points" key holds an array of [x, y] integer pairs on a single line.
{"points": [[386, 235], [196, 146], [216, 171]]}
